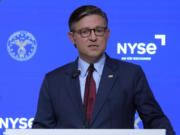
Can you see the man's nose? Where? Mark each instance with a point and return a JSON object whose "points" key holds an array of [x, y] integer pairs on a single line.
{"points": [[93, 36]]}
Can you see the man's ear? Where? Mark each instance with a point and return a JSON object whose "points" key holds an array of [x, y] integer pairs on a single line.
{"points": [[108, 33], [71, 36]]}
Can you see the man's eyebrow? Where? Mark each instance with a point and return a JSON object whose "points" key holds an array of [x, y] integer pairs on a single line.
{"points": [[92, 28], [85, 28]]}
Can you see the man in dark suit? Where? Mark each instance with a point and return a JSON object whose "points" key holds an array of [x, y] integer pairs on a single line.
{"points": [[96, 91]]}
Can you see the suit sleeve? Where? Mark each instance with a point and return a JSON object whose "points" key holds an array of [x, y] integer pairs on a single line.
{"points": [[148, 108], [45, 117]]}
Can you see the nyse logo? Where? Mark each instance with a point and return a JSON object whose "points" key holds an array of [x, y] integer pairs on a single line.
{"points": [[20, 123], [139, 51], [15, 123]]}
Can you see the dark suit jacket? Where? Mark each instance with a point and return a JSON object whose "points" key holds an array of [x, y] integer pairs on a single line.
{"points": [[117, 99]]}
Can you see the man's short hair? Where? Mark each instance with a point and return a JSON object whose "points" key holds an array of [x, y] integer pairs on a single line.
{"points": [[83, 11]]}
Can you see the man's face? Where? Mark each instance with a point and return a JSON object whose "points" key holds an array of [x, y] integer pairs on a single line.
{"points": [[90, 47]]}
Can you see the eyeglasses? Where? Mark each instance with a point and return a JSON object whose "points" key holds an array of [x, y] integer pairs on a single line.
{"points": [[86, 32]]}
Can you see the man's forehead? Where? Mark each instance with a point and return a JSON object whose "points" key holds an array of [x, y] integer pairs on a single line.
{"points": [[91, 21]]}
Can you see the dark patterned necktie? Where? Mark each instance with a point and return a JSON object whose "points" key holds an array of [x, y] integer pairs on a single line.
{"points": [[90, 93]]}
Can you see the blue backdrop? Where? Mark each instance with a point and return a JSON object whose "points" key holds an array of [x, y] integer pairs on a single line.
{"points": [[34, 41]]}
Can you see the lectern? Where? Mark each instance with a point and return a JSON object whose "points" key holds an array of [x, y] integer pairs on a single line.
{"points": [[85, 132]]}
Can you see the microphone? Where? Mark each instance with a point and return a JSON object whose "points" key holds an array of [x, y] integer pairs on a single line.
{"points": [[76, 74]]}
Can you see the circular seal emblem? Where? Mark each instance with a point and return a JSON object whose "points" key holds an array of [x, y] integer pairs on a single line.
{"points": [[21, 46]]}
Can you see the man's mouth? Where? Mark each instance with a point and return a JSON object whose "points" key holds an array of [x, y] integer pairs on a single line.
{"points": [[93, 46]]}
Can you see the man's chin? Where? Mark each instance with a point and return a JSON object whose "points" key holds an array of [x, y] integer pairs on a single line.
{"points": [[91, 57], [95, 56]]}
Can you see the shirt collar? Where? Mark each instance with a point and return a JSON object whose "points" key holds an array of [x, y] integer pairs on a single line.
{"points": [[83, 66]]}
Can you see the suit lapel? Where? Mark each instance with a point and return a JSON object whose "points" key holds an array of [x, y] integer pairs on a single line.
{"points": [[107, 80], [74, 88]]}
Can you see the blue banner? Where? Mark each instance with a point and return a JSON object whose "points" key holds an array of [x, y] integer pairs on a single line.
{"points": [[34, 41]]}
